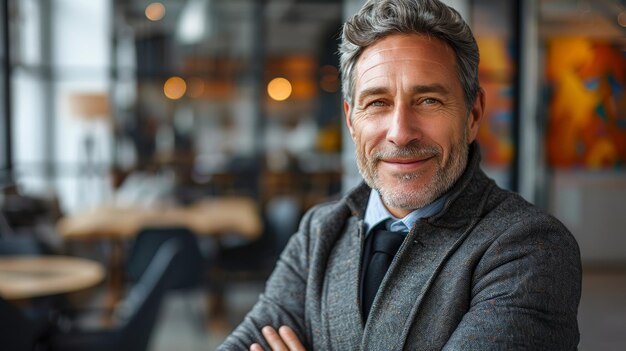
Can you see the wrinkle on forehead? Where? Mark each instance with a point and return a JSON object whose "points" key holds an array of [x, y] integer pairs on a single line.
{"points": [[387, 51], [379, 64], [403, 48], [423, 44]]}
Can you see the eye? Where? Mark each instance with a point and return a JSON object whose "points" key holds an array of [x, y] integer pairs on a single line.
{"points": [[430, 101], [376, 103]]}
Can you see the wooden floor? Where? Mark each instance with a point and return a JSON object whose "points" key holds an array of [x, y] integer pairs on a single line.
{"points": [[602, 312], [180, 327]]}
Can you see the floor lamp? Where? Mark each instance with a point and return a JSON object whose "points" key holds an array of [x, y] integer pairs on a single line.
{"points": [[89, 108]]}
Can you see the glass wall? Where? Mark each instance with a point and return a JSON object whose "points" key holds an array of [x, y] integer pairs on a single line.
{"points": [[202, 97], [60, 51], [5, 151]]}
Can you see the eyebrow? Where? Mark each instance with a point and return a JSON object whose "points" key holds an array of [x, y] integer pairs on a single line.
{"points": [[418, 89], [430, 88]]}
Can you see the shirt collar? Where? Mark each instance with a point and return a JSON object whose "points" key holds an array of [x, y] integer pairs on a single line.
{"points": [[376, 212]]}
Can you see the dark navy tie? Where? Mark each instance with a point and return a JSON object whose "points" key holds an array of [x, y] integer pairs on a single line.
{"points": [[383, 248]]}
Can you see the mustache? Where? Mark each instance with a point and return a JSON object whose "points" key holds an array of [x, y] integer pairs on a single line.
{"points": [[409, 151]]}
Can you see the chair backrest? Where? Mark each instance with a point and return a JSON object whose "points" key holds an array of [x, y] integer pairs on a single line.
{"points": [[148, 241], [18, 245], [282, 216], [139, 311], [15, 331]]}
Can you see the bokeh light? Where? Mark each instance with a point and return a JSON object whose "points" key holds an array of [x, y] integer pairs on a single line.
{"points": [[174, 88], [155, 11], [279, 89]]}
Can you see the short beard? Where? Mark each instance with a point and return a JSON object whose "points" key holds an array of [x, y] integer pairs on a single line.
{"points": [[444, 178]]}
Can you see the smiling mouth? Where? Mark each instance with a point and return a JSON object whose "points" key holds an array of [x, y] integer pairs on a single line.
{"points": [[402, 161], [407, 164]]}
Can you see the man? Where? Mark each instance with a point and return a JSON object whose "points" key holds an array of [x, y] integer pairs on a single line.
{"points": [[477, 267]]}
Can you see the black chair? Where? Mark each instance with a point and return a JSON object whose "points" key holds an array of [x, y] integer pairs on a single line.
{"points": [[136, 316], [252, 261], [16, 333], [20, 245], [190, 273], [256, 260], [191, 268]]}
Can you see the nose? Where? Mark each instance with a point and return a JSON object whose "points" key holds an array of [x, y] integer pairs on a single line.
{"points": [[403, 128]]}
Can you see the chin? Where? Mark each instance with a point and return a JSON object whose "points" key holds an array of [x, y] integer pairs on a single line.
{"points": [[406, 193]]}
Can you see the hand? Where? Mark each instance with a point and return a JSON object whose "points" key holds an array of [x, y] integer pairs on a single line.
{"points": [[285, 340]]}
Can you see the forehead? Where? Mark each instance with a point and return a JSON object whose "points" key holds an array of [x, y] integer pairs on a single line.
{"points": [[402, 49]]}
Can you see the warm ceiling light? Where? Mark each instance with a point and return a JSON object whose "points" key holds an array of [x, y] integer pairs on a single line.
{"points": [[279, 89], [155, 11], [621, 18], [174, 88]]}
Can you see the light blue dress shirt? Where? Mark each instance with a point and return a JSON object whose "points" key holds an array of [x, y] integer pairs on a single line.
{"points": [[376, 212]]}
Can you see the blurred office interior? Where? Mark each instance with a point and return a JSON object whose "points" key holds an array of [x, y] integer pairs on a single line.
{"points": [[121, 116]]}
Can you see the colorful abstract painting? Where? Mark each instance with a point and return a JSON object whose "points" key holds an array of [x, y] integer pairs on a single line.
{"points": [[586, 104], [495, 74]]}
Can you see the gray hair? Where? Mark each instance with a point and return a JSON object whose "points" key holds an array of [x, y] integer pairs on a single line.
{"points": [[380, 18]]}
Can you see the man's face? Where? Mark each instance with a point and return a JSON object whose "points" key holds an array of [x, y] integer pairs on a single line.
{"points": [[409, 120]]}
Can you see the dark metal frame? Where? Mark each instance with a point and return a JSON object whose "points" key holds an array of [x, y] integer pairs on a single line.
{"points": [[516, 122], [6, 98]]}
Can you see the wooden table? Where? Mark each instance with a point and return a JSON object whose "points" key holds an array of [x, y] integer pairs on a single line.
{"points": [[207, 217], [26, 277]]}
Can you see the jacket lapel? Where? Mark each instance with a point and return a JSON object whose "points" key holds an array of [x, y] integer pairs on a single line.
{"points": [[342, 319]]}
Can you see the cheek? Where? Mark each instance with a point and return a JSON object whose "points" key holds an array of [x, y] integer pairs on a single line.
{"points": [[444, 135], [368, 136], [439, 133], [364, 147]]}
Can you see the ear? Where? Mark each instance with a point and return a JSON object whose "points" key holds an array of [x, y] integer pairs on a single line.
{"points": [[475, 116], [347, 112]]}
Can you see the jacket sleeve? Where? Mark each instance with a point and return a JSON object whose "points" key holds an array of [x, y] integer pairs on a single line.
{"points": [[525, 291], [282, 302]]}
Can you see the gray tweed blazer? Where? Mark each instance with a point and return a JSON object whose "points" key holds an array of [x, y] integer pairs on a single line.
{"points": [[488, 272]]}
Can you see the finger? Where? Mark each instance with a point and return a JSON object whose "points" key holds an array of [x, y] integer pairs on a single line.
{"points": [[256, 347], [273, 339], [290, 338]]}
